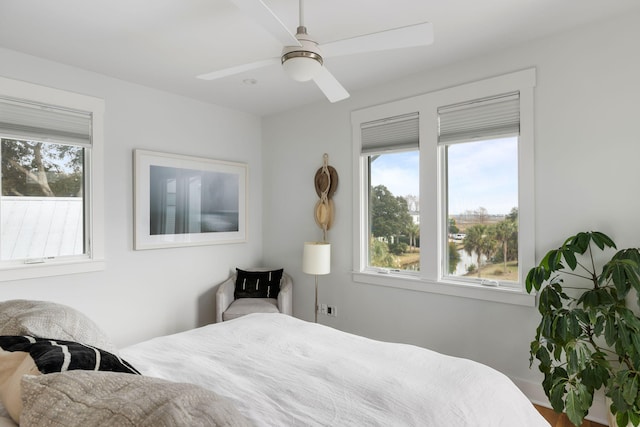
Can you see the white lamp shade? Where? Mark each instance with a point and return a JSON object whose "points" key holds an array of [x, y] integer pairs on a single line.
{"points": [[316, 258], [301, 69]]}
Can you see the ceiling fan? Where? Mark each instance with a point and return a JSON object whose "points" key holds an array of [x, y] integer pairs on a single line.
{"points": [[303, 58]]}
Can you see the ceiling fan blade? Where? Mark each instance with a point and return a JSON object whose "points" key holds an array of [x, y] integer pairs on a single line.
{"points": [[264, 16], [331, 87], [409, 36], [238, 69]]}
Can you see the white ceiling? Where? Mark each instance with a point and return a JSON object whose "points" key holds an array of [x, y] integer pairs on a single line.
{"points": [[165, 43]]}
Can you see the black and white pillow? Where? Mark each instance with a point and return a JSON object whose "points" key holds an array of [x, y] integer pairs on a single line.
{"points": [[27, 355], [257, 284], [59, 355]]}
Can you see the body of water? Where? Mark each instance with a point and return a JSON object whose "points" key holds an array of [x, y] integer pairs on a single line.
{"points": [[461, 269]]}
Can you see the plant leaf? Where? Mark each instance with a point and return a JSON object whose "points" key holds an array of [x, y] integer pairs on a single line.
{"points": [[619, 271], [534, 279], [615, 394], [596, 374], [556, 393], [635, 339], [630, 389], [542, 354], [554, 259], [560, 328], [622, 418], [575, 402], [632, 321], [610, 332], [602, 240], [581, 242]]}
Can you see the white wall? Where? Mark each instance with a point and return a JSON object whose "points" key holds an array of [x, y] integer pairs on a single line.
{"points": [[147, 293], [586, 167]]}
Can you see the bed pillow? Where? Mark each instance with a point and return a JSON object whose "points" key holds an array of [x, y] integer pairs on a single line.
{"points": [[88, 399], [51, 320], [257, 284], [25, 355]]}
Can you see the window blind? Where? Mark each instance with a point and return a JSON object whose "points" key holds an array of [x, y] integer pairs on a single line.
{"points": [[393, 133], [31, 121], [492, 117]]}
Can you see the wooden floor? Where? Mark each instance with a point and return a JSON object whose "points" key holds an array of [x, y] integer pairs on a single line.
{"points": [[561, 420]]}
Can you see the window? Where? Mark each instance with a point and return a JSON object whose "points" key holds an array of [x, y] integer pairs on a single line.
{"points": [[51, 200], [393, 159], [481, 191], [446, 190]]}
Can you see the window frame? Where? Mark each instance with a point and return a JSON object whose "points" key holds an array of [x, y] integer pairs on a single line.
{"points": [[93, 259], [433, 220]]}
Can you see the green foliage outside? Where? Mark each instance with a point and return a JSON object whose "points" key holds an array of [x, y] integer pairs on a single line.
{"points": [[453, 227], [496, 242], [588, 336], [398, 248], [41, 169], [454, 257], [393, 230], [389, 214], [394, 235], [480, 239], [504, 232], [380, 255]]}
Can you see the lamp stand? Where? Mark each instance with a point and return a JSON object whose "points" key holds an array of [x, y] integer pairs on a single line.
{"points": [[316, 260], [316, 307]]}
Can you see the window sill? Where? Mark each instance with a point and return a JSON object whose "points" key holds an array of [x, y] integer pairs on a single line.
{"points": [[464, 290], [47, 269]]}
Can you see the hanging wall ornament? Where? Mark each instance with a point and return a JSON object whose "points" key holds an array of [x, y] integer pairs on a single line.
{"points": [[326, 184]]}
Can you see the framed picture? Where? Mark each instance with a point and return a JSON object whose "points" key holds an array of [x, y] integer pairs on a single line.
{"points": [[188, 201]]}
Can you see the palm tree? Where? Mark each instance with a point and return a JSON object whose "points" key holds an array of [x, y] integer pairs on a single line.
{"points": [[454, 257], [414, 231], [504, 231], [479, 239], [379, 254]]}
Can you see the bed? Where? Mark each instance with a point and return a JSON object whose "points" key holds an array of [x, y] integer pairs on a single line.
{"points": [[276, 370]]}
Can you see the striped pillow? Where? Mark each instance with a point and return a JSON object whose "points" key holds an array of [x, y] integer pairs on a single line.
{"points": [[257, 284], [58, 355], [27, 355]]}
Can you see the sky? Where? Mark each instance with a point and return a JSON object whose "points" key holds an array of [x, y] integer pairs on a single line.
{"points": [[480, 174]]}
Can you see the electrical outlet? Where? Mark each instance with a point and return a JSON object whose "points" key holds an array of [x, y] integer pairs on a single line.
{"points": [[323, 308], [332, 311]]}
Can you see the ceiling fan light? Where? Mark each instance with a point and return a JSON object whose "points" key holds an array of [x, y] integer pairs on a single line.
{"points": [[301, 66]]}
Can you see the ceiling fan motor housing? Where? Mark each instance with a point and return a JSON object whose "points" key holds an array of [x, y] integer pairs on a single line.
{"points": [[302, 63]]}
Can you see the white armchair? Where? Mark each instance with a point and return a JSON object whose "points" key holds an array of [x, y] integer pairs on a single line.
{"points": [[227, 307]]}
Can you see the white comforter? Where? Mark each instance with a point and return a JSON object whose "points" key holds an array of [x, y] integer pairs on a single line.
{"points": [[282, 371]]}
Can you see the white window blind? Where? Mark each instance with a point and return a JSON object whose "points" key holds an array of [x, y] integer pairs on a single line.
{"points": [[32, 121], [492, 117], [393, 133]]}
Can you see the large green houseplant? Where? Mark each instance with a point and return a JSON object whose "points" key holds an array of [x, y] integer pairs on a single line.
{"points": [[589, 333]]}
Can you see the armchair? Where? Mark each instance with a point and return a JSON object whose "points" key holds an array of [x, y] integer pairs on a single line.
{"points": [[227, 307]]}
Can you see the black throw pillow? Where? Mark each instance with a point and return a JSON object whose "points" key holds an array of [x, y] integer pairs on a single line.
{"points": [[257, 284], [58, 355]]}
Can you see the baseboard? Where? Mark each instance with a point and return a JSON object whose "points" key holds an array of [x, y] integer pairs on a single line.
{"points": [[535, 393]]}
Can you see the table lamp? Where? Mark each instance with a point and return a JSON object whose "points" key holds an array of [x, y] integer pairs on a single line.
{"points": [[316, 260]]}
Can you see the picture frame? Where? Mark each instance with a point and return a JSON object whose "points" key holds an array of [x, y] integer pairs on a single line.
{"points": [[188, 201]]}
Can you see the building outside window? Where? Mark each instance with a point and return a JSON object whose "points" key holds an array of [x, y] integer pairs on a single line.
{"points": [[42, 201], [51, 199]]}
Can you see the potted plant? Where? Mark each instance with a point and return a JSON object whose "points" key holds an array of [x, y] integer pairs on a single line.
{"points": [[589, 336]]}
